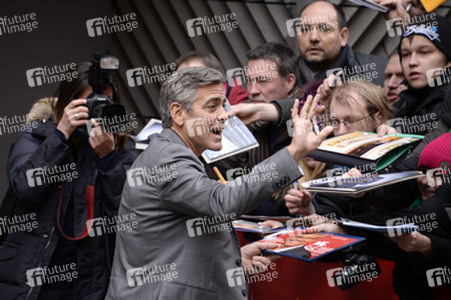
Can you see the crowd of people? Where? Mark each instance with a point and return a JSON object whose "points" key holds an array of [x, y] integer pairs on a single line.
{"points": [[181, 189]]}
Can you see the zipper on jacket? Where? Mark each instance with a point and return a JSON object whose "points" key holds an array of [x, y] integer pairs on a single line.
{"points": [[41, 257]]}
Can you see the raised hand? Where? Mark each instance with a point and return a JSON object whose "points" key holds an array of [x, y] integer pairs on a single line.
{"points": [[75, 114], [304, 139]]}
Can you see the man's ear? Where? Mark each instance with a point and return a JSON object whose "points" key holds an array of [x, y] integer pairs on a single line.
{"points": [[178, 114], [344, 35], [290, 82], [379, 118]]}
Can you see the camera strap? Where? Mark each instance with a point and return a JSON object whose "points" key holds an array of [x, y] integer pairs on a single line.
{"points": [[89, 213]]}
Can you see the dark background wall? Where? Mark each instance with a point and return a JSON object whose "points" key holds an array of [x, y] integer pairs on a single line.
{"points": [[161, 37], [61, 37]]}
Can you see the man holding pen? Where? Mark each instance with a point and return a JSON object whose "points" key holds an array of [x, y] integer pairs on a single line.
{"points": [[174, 234]]}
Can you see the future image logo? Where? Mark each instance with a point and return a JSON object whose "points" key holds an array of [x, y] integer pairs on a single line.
{"points": [[112, 124], [397, 26], [150, 175], [352, 274], [438, 176], [18, 223], [108, 25], [154, 74], [153, 274], [18, 23], [197, 127], [339, 77], [201, 126], [135, 277], [438, 76], [195, 227], [48, 75], [414, 124], [111, 225], [307, 25], [55, 274], [195, 27], [17, 123], [234, 176], [335, 176], [294, 27], [262, 172], [332, 279], [209, 225], [392, 232], [438, 276], [135, 177], [405, 225], [35, 277], [206, 25], [245, 75], [235, 277], [237, 74], [48, 175], [366, 72]]}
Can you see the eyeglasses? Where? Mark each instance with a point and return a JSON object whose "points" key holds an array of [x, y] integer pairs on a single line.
{"points": [[348, 123], [323, 28]]}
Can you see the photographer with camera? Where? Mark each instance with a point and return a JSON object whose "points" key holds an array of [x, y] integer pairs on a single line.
{"points": [[68, 180]]}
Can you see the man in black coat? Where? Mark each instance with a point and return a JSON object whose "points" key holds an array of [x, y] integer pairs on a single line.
{"points": [[323, 45]]}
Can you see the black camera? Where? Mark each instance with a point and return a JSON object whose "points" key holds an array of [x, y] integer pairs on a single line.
{"points": [[357, 267], [107, 112]]}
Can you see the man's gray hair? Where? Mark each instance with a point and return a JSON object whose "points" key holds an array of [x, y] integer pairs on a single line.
{"points": [[182, 88]]}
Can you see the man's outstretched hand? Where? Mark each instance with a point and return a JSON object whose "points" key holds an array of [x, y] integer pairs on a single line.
{"points": [[304, 139]]}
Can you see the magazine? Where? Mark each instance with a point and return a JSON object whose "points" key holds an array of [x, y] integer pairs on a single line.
{"points": [[282, 219], [365, 148], [299, 244], [348, 186]]}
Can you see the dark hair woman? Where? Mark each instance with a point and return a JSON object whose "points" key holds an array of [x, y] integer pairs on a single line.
{"points": [[62, 183]]}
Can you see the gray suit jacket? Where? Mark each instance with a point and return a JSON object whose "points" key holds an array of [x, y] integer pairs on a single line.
{"points": [[177, 250]]}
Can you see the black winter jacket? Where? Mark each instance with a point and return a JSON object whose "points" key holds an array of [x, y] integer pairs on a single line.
{"points": [[30, 193], [364, 66], [420, 110]]}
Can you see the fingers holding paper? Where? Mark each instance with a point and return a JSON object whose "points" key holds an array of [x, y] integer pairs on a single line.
{"points": [[253, 262]]}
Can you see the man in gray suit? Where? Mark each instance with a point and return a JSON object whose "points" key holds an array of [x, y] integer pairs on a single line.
{"points": [[184, 246]]}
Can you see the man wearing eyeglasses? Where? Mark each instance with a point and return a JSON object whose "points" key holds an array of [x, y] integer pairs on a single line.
{"points": [[354, 106], [323, 44], [358, 106]]}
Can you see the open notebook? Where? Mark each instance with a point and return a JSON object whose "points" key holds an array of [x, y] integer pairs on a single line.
{"points": [[364, 149], [236, 138]]}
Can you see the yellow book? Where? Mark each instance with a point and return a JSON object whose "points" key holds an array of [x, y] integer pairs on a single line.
{"points": [[431, 5]]}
